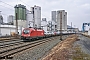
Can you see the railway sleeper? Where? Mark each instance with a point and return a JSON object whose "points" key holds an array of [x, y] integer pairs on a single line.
{"points": [[9, 55]]}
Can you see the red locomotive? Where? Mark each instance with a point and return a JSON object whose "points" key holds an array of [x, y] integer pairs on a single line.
{"points": [[31, 33]]}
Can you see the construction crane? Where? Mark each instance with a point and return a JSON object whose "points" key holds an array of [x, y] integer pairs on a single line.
{"points": [[84, 25]]}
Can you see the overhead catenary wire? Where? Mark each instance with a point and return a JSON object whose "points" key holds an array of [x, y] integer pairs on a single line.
{"points": [[13, 7], [29, 6], [6, 7], [24, 3], [6, 3]]}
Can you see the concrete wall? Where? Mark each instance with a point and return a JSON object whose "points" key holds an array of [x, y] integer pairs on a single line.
{"points": [[22, 23]]}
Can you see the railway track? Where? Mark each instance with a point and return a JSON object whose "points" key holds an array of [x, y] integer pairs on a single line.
{"points": [[9, 52], [4, 45], [1, 41]]}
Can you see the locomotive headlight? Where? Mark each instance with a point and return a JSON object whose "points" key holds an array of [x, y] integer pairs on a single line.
{"points": [[28, 35], [42, 33]]}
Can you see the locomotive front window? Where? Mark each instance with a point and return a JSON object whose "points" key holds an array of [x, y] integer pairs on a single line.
{"points": [[26, 31]]}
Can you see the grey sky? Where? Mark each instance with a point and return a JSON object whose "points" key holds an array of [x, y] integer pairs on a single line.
{"points": [[78, 10]]}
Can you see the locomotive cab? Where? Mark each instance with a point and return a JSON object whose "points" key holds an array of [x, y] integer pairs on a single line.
{"points": [[25, 33]]}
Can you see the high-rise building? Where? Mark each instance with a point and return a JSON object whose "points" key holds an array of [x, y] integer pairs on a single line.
{"points": [[20, 11], [54, 20], [36, 10], [29, 19], [62, 15], [11, 19], [53, 16]]}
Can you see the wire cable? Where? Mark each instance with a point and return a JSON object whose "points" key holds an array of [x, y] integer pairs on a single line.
{"points": [[6, 7], [24, 3], [6, 3]]}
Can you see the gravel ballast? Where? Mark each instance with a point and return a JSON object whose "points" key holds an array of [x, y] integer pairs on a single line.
{"points": [[36, 53], [61, 50], [84, 43]]}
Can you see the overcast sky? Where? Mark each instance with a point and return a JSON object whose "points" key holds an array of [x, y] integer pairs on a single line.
{"points": [[78, 10]]}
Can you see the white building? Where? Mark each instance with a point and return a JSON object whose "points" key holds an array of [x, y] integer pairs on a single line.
{"points": [[11, 19], [44, 24], [54, 20], [36, 16], [8, 29], [53, 16], [29, 18], [61, 15]]}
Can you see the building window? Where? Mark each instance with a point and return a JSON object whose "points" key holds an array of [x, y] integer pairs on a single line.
{"points": [[39, 8], [35, 8]]}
